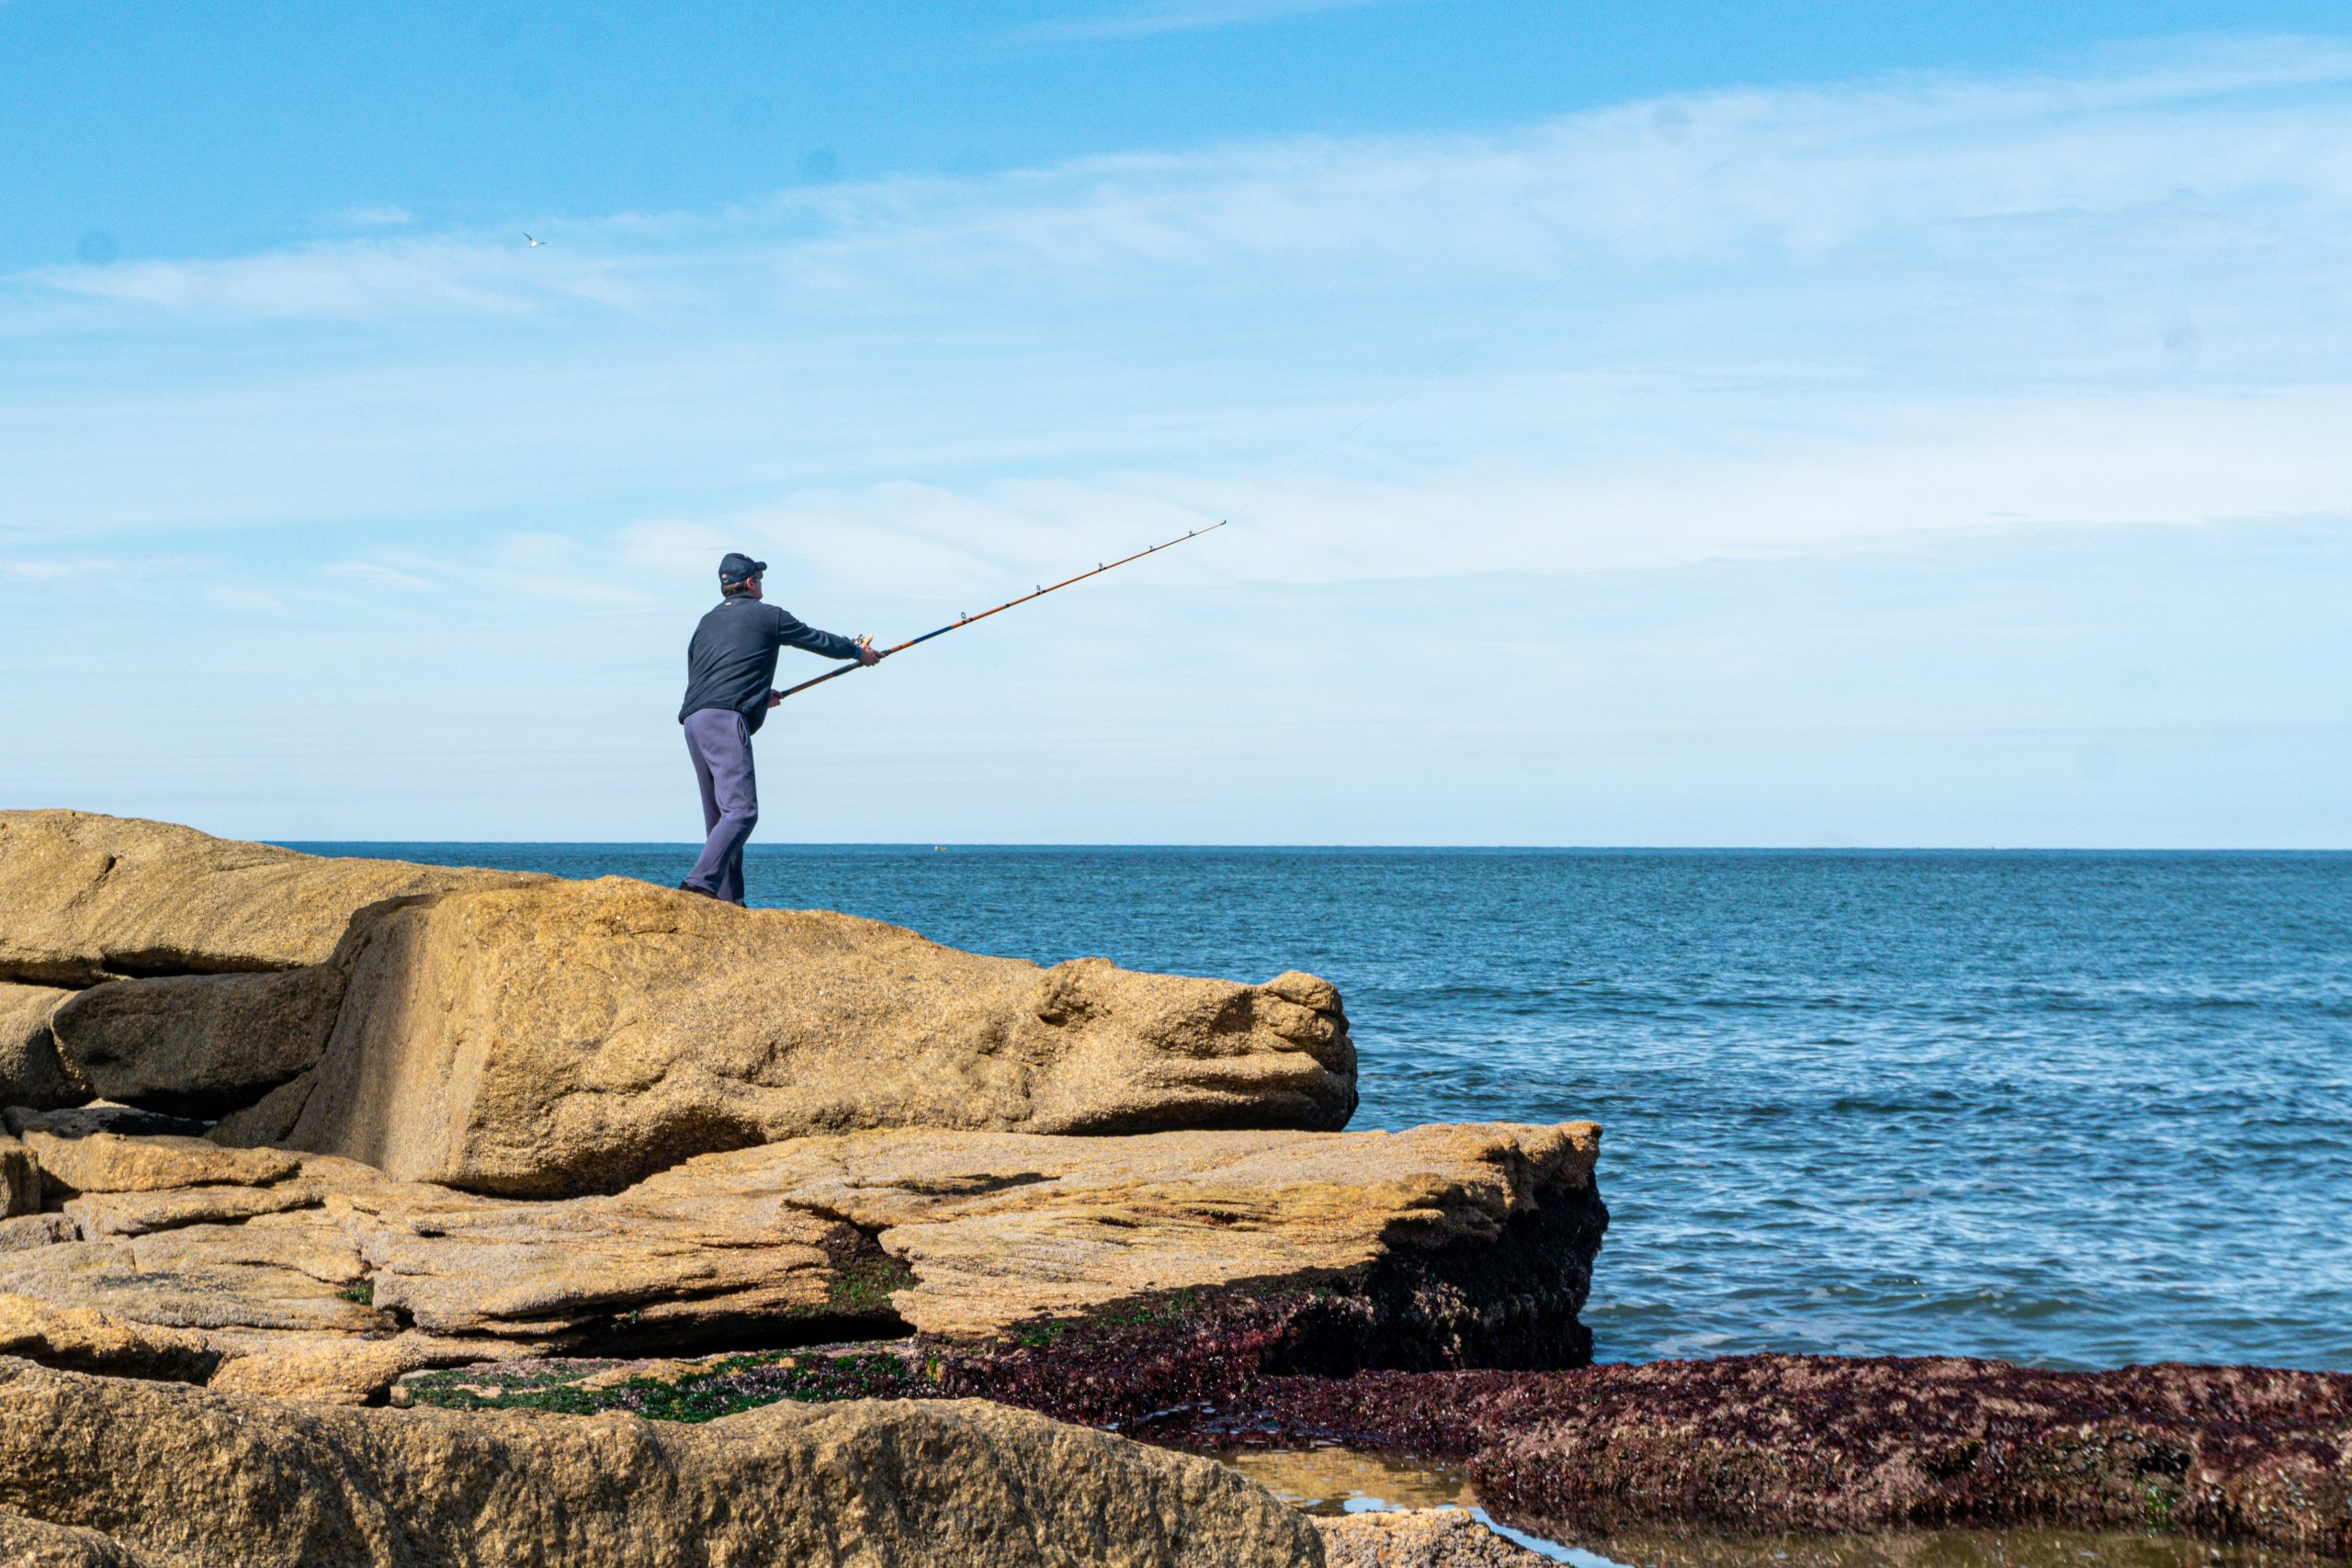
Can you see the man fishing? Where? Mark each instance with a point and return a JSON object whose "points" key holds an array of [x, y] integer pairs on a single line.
{"points": [[730, 665]]}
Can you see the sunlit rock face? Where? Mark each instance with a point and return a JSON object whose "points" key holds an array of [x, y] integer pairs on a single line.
{"points": [[85, 897], [571, 1037]]}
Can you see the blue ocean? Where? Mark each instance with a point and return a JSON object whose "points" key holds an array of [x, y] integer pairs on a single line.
{"points": [[2068, 1109]]}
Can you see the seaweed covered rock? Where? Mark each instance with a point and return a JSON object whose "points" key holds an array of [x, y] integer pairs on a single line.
{"points": [[569, 1037], [88, 898], [1773, 1444], [200, 1478]]}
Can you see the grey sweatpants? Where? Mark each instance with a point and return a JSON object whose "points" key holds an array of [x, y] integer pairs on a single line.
{"points": [[720, 743]]}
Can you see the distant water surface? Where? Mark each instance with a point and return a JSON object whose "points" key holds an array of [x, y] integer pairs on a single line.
{"points": [[2074, 1110]]}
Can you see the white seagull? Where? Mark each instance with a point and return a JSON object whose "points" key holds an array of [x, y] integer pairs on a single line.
{"points": [[535, 244]]}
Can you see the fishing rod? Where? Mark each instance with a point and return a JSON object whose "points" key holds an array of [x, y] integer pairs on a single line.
{"points": [[962, 621]]}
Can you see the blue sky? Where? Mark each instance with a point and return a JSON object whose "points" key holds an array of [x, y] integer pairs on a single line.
{"points": [[1750, 425]]}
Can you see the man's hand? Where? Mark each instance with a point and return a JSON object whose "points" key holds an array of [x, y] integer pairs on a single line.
{"points": [[776, 699], [868, 654]]}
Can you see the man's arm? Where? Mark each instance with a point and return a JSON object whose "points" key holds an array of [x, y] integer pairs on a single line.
{"points": [[793, 632]]}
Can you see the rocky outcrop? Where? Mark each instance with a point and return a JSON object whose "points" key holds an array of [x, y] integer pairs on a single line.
{"points": [[569, 1037], [198, 1045], [199, 1478], [30, 1071], [1458, 1246], [90, 898]]}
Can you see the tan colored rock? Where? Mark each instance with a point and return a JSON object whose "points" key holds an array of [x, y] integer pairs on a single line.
{"points": [[102, 1214], [206, 1277], [82, 1339], [960, 1235], [19, 1180], [198, 1044], [30, 1071], [326, 1369], [31, 1543], [90, 897], [568, 1037], [1001, 1227], [216, 1480], [1417, 1537], [116, 1162], [459, 1264]]}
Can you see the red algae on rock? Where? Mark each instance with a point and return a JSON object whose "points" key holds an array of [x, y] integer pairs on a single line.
{"points": [[1827, 1443]]}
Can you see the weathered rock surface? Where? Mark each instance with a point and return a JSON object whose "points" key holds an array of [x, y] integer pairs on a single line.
{"points": [[202, 1044], [199, 1478], [90, 897], [1417, 1537], [30, 1072], [31, 1543], [566, 1037], [1471, 1245], [19, 1180], [1000, 1228], [73, 1159]]}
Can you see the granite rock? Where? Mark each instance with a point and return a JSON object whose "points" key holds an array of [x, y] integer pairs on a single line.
{"points": [[569, 1037], [91, 897], [32, 1073], [206, 1479], [199, 1045]]}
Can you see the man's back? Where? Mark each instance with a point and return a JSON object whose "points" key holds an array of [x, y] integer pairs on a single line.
{"points": [[731, 662]]}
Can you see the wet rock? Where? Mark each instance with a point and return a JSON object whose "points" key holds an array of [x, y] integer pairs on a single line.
{"points": [[92, 897], [30, 1071], [198, 1045], [215, 1479], [568, 1037], [1417, 1537]]}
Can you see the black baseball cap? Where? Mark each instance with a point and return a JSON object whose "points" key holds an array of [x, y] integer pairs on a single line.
{"points": [[738, 566]]}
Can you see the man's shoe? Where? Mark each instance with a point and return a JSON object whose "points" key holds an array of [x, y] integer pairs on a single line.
{"points": [[698, 892]]}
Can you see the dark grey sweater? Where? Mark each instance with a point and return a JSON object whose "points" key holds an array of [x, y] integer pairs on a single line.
{"points": [[731, 661]]}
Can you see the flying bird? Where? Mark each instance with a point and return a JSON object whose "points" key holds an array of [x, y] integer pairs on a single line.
{"points": [[535, 244]]}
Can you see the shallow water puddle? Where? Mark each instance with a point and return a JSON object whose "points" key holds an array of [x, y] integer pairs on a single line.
{"points": [[1337, 1481]]}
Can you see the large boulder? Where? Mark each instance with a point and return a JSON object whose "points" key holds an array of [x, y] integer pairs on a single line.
{"points": [[568, 1037], [198, 1044], [30, 1071], [85, 897], [201, 1478]]}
